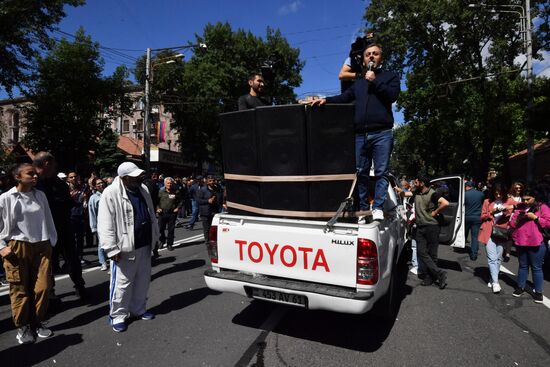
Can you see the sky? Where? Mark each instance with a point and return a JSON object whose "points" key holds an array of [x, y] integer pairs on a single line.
{"points": [[323, 30]]}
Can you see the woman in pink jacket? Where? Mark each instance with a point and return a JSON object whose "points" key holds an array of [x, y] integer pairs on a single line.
{"points": [[496, 211], [527, 222]]}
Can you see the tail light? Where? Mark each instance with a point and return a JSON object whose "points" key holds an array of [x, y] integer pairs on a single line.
{"points": [[212, 244], [367, 262]]}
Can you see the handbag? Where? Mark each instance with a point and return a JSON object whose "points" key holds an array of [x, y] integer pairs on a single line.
{"points": [[500, 234]]}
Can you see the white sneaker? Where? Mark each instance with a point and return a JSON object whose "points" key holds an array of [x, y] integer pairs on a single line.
{"points": [[104, 267], [490, 285], [496, 288], [25, 335], [414, 270], [362, 220], [43, 332], [377, 214]]}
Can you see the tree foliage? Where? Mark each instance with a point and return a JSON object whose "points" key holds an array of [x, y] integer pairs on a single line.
{"points": [[211, 82], [466, 100], [107, 155], [24, 27], [71, 103]]}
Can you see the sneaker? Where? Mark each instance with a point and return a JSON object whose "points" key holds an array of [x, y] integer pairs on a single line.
{"points": [[147, 316], [496, 288], [377, 214], [518, 292], [362, 220], [43, 332], [490, 285], [414, 270], [120, 327], [81, 293], [170, 248], [104, 267], [537, 297], [25, 335], [442, 279], [427, 281], [506, 258]]}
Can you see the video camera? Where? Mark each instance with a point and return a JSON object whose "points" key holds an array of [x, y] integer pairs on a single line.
{"points": [[356, 57]]}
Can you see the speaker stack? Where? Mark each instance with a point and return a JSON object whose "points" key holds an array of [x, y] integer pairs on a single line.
{"points": [[288, 161]]}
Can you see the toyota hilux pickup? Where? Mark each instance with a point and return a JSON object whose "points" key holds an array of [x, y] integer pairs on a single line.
{"points": [[344, 268]]}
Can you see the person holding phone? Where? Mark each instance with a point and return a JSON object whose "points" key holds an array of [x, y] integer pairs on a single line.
{"points": [[527, 222]]}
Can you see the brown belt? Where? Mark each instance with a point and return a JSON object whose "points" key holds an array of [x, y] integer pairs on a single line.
{"points": [[313, 178]]}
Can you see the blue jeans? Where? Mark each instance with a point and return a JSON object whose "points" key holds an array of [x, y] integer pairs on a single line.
{"points": [[473, 224], [415, 260], [100, 252], [372, 148], [531, 256], [494, 258], [194, 212]]}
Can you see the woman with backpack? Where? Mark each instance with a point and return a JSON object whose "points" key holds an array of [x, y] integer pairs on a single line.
{"points": [[528, 221], [493, 232]]}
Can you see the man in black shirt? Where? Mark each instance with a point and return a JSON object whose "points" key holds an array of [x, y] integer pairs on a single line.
{"points": [[253, 98]]}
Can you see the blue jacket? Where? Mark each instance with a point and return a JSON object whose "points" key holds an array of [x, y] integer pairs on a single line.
{"points": [[373, 101]]}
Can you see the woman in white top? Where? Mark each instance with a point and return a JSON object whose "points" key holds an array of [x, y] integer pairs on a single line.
{"points": [[27, 235]]}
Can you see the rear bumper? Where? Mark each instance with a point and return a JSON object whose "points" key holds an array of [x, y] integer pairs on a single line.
{"points": [[319, 296]]}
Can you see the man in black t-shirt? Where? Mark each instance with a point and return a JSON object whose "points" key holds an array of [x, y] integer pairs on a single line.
{"points": [[253, 98]]}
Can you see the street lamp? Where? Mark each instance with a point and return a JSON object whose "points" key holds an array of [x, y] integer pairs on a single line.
{"points": [[525, 29], [149, 65]]}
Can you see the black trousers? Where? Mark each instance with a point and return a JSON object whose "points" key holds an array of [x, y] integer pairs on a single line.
{"points": [[206, 223], [427, 244], [167, 220]]}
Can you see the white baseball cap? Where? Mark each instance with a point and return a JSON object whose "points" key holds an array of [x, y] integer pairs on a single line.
{"points": [[129, 169], [61, 175]]}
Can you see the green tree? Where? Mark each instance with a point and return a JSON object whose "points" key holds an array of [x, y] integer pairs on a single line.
{"points": [[71, 102], [465, 99], [24, 27], [107, 154], [213, 79]]}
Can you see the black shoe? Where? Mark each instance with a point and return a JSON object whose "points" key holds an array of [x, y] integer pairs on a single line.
{"points": [[442, 279], [170, 248], [473, 258], [189, 227], [537, 297], [427, 281], [81, 293], [518, 292], [155, 253], [506, 258]]}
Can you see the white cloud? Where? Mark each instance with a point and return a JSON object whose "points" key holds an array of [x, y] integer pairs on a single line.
{"points": [[293, 7]]}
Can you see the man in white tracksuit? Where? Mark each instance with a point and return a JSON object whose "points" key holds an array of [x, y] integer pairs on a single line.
{"points": [[127, 228]]}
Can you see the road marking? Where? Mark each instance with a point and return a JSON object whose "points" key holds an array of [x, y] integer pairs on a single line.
{"points": [[267, 326], [5, 289]]}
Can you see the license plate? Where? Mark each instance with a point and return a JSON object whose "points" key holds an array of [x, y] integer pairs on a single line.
{"points": [[279, 297]]}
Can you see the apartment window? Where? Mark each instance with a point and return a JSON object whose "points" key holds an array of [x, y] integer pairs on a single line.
{"points": [[126, 126], [14, 127], [139, 125]]}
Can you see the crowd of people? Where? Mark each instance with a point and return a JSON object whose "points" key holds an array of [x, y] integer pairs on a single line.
{"points": [[498, 218], [48, 218]]}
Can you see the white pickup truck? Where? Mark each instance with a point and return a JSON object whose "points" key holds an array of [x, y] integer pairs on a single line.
{"points": [[347, 268]]}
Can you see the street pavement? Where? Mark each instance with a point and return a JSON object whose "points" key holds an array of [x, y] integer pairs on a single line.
{"points": [[463, 325]]}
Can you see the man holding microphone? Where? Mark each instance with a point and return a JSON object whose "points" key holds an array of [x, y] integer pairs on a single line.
{"points": [[374, 95]]}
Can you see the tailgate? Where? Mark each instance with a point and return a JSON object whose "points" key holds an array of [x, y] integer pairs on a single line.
{"points": [[294, 249]]}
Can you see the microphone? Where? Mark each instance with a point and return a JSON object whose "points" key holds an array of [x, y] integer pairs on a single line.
{"points": [[370, 65]]}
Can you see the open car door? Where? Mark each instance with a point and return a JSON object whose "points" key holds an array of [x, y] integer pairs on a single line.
{"points": [[452, 230]]}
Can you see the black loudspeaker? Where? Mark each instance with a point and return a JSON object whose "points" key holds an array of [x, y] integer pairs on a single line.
{"points": [[282, 140], [326, 196], [285, 195], [331, 140], [239, 142], [244, 192]]}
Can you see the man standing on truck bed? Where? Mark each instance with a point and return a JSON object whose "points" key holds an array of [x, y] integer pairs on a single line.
{"points": [[253, 98], [373, 95]]}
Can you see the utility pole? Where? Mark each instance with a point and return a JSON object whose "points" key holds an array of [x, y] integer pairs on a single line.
{"points": [[530, 133], [146, 123]]}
